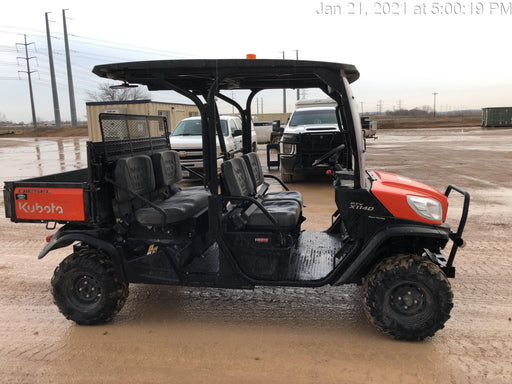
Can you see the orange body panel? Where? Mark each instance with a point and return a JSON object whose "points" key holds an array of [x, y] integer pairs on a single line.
{"points": [[52, 204], [392, 190]]}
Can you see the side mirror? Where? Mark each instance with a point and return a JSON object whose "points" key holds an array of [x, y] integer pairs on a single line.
{"points": [[276, 125], [237, 132]]}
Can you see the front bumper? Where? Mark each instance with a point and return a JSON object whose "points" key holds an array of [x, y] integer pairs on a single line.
{"points": [[456, 237], [292, 164]]}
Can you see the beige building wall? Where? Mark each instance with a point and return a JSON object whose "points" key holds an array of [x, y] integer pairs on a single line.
{"points": [[273, 116], [172, 111]]}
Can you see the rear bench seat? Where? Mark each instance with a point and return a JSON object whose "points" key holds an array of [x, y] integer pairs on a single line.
{"points": [[238, 183], [253, 164], [168, 173], [137, 195]]}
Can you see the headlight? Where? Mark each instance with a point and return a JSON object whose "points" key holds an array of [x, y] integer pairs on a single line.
{"points": [[426, 207], [288, 149]]}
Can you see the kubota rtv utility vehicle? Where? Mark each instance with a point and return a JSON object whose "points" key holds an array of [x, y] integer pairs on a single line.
{"points": [[130, 223]]}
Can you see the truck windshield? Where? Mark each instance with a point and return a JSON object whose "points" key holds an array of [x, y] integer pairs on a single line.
{"points": [[193, 128], [308, 117]]}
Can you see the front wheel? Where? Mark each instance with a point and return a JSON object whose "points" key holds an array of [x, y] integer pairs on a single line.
{"points": [[87, 288], [407, 297]]}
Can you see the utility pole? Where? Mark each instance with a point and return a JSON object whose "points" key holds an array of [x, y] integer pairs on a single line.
{"points": [[56, 108], [297, 58], [284, 93], [379, 106], [29, 72], [72, 105], [435, 94]]}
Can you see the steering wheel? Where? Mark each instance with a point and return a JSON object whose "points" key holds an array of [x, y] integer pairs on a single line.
{"points": [[335, 151]]}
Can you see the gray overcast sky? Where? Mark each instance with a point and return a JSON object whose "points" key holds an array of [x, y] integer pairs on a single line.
{"points": [[405, 51]]}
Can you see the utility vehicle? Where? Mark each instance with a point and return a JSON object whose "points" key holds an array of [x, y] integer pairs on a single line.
{"points": [[130, 223]]}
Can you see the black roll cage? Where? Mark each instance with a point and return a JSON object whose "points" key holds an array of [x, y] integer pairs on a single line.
{"points": [[207, 78]]}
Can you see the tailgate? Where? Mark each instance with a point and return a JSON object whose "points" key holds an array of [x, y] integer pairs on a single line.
{"points": [[62, 197]]}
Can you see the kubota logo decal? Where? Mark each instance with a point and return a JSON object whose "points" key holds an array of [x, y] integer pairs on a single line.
{"points": [[37, 208]]}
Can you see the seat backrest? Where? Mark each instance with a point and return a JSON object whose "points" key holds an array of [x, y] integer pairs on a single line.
{"points": [[254, 167], [236, 178], [167, 168], [133, 174]]}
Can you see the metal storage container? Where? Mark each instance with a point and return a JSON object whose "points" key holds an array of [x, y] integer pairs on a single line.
{"points": [[497, 117]]}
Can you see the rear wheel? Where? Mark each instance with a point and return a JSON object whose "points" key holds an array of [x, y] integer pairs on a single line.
{"points": [[87, 288], [407, 297]]}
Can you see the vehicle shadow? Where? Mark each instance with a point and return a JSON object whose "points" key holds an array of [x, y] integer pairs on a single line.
{"points": [[325, 308]]}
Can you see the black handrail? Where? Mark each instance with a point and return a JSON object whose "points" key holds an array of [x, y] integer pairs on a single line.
{"points": [[457, 236]]}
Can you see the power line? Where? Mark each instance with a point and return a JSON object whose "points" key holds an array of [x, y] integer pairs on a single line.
{"points": [[29, 72], [379, 106], [55, 95], [70, 74]]}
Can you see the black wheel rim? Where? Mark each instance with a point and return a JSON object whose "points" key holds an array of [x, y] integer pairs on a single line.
{"points": [[408, 299], [86, 290]]}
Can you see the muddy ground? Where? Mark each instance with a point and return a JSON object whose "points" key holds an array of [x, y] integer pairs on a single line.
{"points": [[271, 335]]}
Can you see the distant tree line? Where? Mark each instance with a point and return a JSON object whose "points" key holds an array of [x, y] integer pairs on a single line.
{"points": [[107, 93], [428, 111], [415, 112]]}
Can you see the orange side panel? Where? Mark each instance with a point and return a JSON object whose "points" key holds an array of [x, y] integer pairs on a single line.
{"points": [[53, 204]]}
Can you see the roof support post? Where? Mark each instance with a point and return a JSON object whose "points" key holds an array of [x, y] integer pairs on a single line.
{"points": [[248, 116], [337, 90]]}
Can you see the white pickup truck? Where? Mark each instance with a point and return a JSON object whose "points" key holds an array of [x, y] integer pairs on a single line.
{"points": [[313, 129], [186, 138]]}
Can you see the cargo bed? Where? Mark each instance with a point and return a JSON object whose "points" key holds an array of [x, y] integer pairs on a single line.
{"points": [[83, 196], [61, 197]]}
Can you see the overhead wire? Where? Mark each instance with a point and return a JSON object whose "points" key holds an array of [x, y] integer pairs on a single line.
{"points": [[85, 53]]}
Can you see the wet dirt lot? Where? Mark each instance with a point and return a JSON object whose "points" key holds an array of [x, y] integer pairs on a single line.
{"points": [[275, 335]]}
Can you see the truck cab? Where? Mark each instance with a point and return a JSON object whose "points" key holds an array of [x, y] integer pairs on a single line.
{"points": [[187, 140]]}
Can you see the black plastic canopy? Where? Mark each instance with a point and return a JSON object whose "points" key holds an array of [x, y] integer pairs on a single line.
{"points": [[198, 75]]}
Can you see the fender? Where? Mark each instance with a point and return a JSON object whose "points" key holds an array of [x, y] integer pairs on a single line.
{"points": [[65, 237], [369, 251]]}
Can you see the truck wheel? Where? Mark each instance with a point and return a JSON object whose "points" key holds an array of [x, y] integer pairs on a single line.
{"points": [[286, 178], [87, 289], [407, 297]]}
